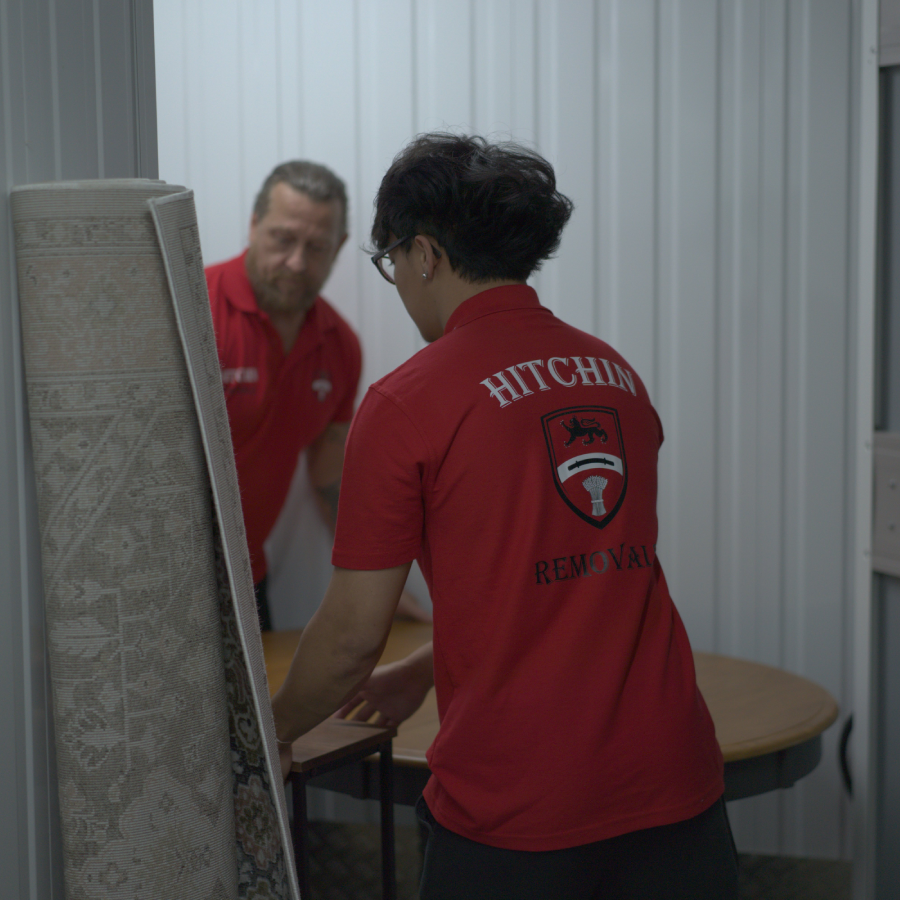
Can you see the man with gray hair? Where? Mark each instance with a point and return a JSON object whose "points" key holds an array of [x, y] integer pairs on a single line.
{"points": [[290, 363]]}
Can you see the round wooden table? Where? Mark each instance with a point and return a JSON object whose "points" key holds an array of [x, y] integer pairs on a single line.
{"points": [[768, 722]]}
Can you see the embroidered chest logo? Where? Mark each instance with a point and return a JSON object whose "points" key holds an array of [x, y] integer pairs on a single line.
{"points": [[322, 385], [245, 375], [588, 460]]}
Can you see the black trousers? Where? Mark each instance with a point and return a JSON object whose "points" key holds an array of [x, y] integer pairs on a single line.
{"points": [[691, 860]]}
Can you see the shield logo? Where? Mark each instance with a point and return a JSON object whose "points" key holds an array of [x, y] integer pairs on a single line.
{"points": [[588, 460]]}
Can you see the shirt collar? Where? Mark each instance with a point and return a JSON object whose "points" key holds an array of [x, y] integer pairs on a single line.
{"points": [[493, 300]]}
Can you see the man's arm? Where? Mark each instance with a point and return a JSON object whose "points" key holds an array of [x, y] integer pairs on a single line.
{"points": [[325, 461], [338, 648]]}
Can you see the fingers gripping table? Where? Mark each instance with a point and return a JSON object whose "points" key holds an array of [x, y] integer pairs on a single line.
{"points": [[768, 722]]}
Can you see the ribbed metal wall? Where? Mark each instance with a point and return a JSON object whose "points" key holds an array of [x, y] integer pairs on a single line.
{"points": [[708, 148], [76, 101]]}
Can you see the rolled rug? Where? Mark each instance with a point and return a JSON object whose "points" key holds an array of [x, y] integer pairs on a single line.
{"points": [[169, 782]]}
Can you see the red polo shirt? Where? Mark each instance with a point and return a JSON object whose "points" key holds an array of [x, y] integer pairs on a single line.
{"points": [[516, 458], [277, 404]]}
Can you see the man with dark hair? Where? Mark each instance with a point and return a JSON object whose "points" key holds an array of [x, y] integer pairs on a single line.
{"points": [[516, 459], [290, 363]]}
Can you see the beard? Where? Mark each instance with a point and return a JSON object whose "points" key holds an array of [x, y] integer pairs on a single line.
{"points": [[281, 291]]}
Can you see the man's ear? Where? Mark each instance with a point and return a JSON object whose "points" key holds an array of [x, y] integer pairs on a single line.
{"points": [[425, 257]]}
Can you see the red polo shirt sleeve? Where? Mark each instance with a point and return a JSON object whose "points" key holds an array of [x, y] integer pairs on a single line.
{"points": [[380, 512]]}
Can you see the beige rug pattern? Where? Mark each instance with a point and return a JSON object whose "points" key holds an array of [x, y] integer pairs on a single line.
{"points": [[163, 729]]}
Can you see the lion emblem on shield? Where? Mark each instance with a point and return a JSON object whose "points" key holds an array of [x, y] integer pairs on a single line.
{"points": [[586, 429]]}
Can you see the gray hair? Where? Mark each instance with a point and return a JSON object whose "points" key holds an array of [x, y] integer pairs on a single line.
{"points": [[318, 182]]}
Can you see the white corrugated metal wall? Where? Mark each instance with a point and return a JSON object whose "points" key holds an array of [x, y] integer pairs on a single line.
{"points": [[76, 101], [708, 148]]}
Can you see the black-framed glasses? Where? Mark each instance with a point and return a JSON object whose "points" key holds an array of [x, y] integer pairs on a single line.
{"points": [[385, 264]]}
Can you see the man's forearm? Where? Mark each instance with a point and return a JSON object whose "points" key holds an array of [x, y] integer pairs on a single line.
{"points": [[322, 677], [325, 462], [338, 649]]}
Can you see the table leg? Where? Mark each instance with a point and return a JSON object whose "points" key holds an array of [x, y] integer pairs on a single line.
{"points": [[386, 792], [299, 834]]}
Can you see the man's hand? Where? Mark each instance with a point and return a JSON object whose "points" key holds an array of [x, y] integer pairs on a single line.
{"points": [[394, 691], [338, 649]]}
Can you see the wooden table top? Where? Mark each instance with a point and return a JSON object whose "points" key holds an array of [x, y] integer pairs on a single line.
{"points": [[756, 709], [334, 739]]}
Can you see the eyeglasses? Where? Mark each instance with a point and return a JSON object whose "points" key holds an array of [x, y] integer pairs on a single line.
{"points": [[385, 264]]}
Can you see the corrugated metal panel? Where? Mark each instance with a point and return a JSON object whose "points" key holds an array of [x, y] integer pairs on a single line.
{"points": [[706, 144], [75, 102]]}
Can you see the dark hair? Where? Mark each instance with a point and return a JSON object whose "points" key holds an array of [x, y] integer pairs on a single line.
{"points": [[318, 182], [493, 207]]}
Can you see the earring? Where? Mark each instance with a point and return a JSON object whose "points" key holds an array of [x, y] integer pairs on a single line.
{"points": [[425, 275]]}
